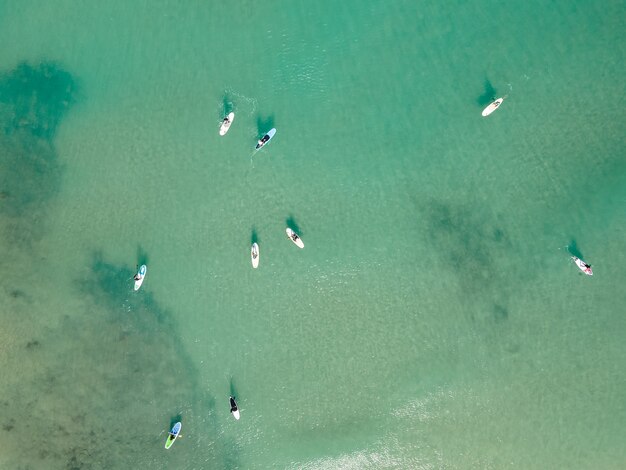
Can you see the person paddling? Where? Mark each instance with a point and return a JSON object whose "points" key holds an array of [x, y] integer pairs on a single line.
{"points": [[263, 140], [234, 410]]}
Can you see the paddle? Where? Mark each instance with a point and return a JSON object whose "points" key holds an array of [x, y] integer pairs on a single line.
{"points": [[136, 271]]}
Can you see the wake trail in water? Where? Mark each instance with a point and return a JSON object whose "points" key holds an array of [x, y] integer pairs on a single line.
{"points": [[237, 101]]}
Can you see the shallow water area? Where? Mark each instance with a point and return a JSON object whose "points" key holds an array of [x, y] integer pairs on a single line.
{"points": [[434, 318]]}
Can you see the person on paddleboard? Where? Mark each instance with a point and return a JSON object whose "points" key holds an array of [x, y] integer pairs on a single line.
{"points": [[233, 405], [137, 277], [262, 141]]}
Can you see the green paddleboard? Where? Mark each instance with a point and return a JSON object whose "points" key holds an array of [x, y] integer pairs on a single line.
{"points": [[173, 434]]}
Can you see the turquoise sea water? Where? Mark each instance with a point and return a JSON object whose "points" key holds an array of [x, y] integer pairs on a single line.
{"points": [[433, 320]]}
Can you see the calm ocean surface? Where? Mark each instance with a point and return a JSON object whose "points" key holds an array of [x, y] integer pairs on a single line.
{"points": [[434, 319]]}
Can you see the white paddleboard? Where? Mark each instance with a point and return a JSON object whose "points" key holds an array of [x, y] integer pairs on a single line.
{"points": [[583, 266], [492, 107], [226, 123], [293, 236], [233, 408], [265, 139], [140, 276], [254, 255]]}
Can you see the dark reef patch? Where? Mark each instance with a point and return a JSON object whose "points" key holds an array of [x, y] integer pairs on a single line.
{"points": [[500, 313], [37, 98], [17, 294], [33, 344], [115, 359], [33, 102], [111, 285], [112, 356], [466, 238], [472, 242]]}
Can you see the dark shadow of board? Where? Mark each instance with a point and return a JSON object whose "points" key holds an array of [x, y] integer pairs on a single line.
{"points": [[489, 94], [263, 125], [232, 389], [254, 237], [227, 105], [291, 222], [174, 420], [142, 256], [573, 249]]}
